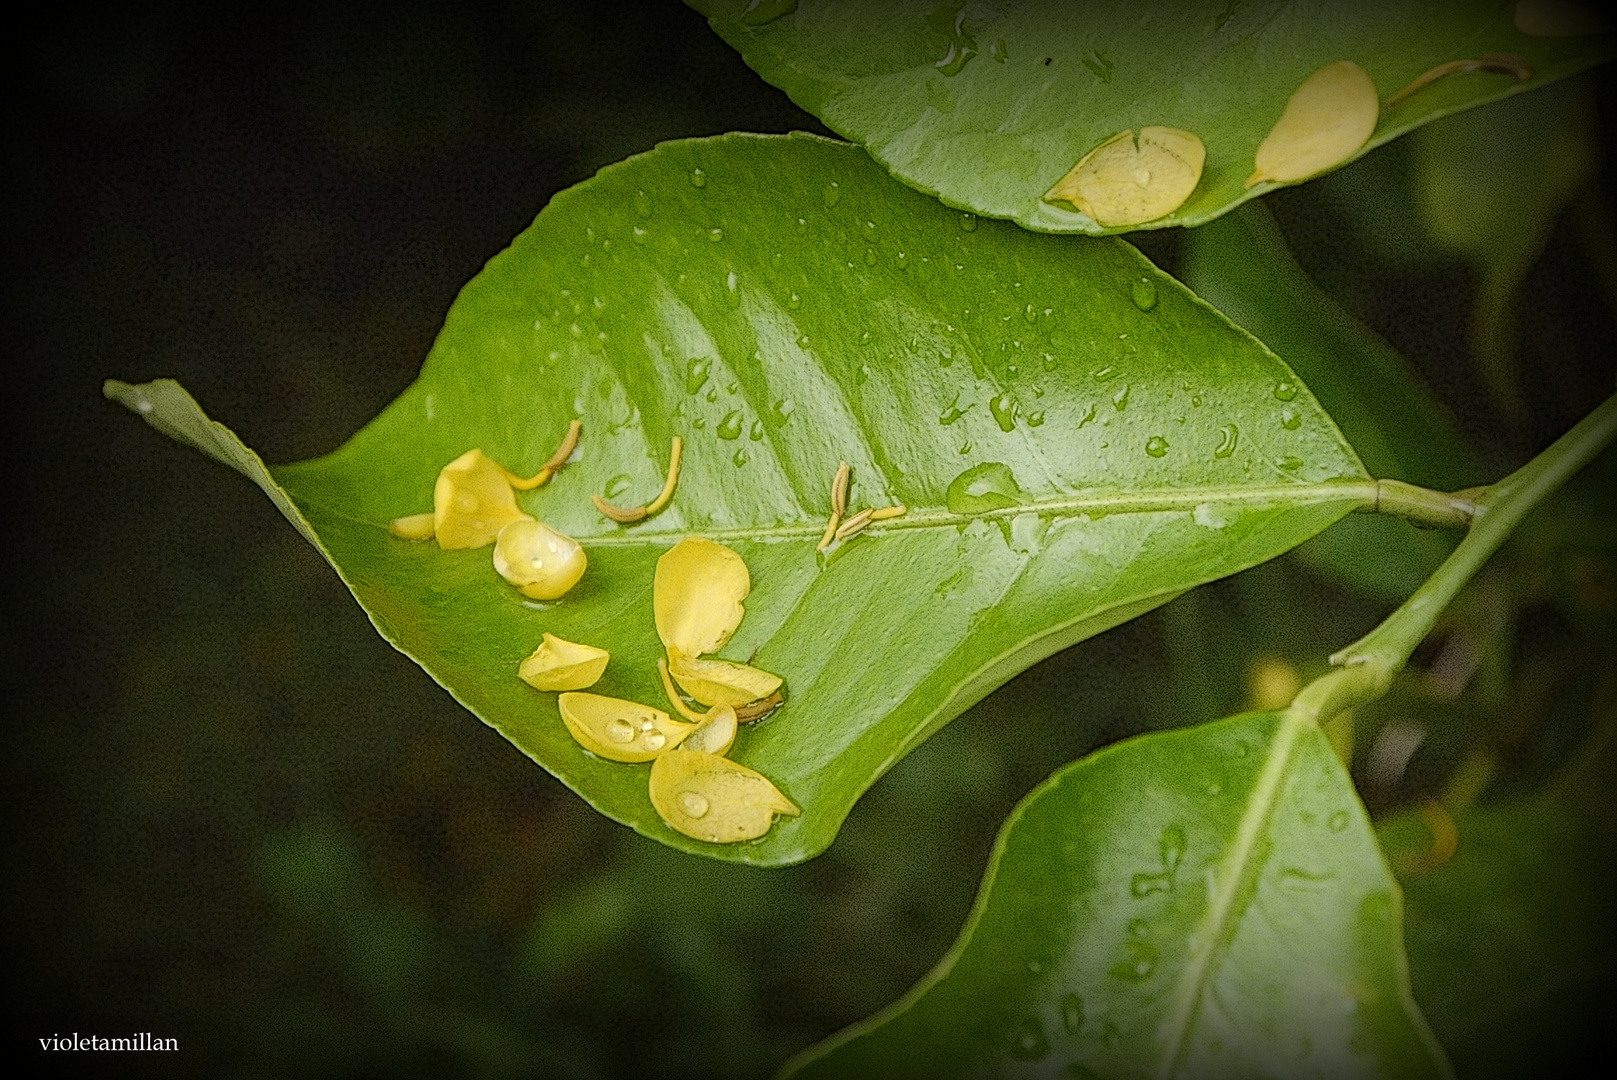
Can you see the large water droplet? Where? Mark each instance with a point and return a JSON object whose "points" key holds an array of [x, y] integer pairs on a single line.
{"points": [[1285, 390], [1228, 436], [1072, 1013], [619, 730], [698, 178], [653, 740], [1028, 1042], [1004, 407], [1290, 419], [783, 410], [950, 21], [989, 486], [740, 457], [696, 370], [1144, 294], [756, 14], [730, 426], [692, 802], [832, 194], [1120, 397], [1156, 446], [968, 222], [756, 431]]}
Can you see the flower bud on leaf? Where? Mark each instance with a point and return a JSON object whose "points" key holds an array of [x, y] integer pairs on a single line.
{"points": [[558, 664], [712, 798], [620, 730], [472, 501], [538, 560]]}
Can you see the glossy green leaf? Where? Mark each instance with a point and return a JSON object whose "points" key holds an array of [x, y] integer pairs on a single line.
{"points": [[1242, 265], [988, 106], [1078, 439], [1208, 902]]}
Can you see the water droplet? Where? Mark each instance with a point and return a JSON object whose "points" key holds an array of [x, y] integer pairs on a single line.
{"points": [[1001, 53], [1196, 402], [968, 222], [1285, 391], [758, 13], [951, 23], [617, 485], [965, 448], [802, 341], [576, 330], [1290, 419], [740, 457], [1171, 845], [832, 194], [1211, 516], [1035, 419], [1141, 962], [1290, 464], [953, 412], [698, 178], [1228, 436], [1338, 821], [1139, 928], [732, 286], [640, 236], [1004, 407], [712, 393], [1028, 1042], [901, 260], [870, 256], [1144, 294], [1101, 374], [794, 301], [783, 410], [862, 376], [619, 730], [715, 234], [653, 740], [756, 431], [642, 204], [1030, 313], [730, 426], [693, 803], [1156, 446], [696, 373], [1072, 1013], [1088, 417], [1215, 788], [699, 423], [1120, 397], [989, 486]]}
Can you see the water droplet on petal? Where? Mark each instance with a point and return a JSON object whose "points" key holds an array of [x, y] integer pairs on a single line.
{"points": [[653, 740], [693, 803], [619, 730]]}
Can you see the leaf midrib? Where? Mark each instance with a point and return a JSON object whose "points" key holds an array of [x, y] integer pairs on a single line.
{"points": [[1287, 495]]}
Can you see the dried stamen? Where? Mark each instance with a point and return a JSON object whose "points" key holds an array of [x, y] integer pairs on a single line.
{"points": [[886, 512], [839, 503], [755, 710], [674, 697], [1503, 62], [549, 468], [854, 524], [640, 513]]}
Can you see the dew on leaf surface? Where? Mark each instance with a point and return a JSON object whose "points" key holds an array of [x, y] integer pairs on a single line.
{"points": [[989, 486], [696, 371], [832, 194], [1004, 408], [1120, 397], [1029, 1043], [1072, 1013], [642, 204], [1290, 419], [1156, 446], [698, 178], [1228, 436], [1144, 294], [1285, 391], [730, 426]]}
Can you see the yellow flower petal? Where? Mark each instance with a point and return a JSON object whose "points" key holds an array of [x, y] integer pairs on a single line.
{"points": [[558, 664], [472, 502], [721, 682], [696, 596], [620, 730], [712, 798], [1328, 118], [1125, 181], [538, 560], [412, 527], [715, 734]]}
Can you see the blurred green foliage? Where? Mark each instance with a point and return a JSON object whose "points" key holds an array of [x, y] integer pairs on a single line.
{"points": [[241, 821]]}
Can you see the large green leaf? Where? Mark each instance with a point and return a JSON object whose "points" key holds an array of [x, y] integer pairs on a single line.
{"points": [[1078, 439], [988, 105], [1241, 264], [1205, 903]]}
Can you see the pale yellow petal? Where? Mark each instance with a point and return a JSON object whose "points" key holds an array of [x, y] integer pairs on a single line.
{"points": [[472, 502], [716, 732], [721, 682], [712, 798], [620, 730], [1328, 118], [538, 560], [558, 664], [696, 596], [1125, 181]]}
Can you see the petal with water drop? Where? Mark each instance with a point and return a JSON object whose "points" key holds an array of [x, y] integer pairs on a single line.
{"points": [[1128, 181], [540, 561], [712, 798], [620, 730]]}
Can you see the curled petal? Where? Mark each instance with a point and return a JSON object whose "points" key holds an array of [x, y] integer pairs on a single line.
{"points": [[472, 502], [1129, 181], [1325, 122], [558, 664], [620, 730], [715, 733], [697, 594], [721, 682], [712, 798], [538, 560]]}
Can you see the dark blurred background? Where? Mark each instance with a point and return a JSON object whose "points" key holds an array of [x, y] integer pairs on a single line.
{"points": [[239, 819]]}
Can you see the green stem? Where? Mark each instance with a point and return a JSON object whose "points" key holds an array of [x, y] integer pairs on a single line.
{"points": [[1366, 668]]}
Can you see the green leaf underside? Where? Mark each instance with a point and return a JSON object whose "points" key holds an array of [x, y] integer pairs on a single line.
{"points": [[997, 134], [1202, 903], [910, 622]]}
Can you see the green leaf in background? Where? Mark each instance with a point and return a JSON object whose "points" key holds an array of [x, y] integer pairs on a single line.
{"points": [[1078, 439], [1208, 902], [1492, 184], [988, 105], [1242, 265]]}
